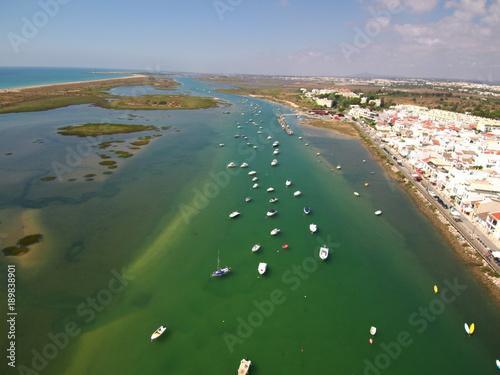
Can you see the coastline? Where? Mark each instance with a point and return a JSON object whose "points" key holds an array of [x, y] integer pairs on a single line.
{"points": [[19, 89], [462, 249]]}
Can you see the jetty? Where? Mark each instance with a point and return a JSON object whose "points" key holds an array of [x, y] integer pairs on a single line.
{"points": [[284, 125]]}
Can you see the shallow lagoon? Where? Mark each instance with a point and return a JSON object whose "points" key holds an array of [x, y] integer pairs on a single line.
{"points": [[134, 250]]}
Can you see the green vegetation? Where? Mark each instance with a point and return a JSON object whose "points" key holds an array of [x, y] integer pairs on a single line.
{"points": [[107, 162], [164, 102], [48, 178], [22, 245], [93, 92], [96, 129], [14, 250], [30, 239], [139, 143]]}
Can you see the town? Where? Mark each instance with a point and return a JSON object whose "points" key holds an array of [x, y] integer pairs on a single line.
{"points": [[455, 155]]}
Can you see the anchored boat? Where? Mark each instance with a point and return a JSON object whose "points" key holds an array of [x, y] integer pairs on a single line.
{"points": [[158, 332]]}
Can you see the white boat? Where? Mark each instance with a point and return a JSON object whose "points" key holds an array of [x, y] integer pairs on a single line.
{"points": [[231, 165], [373, 330], [234, 214], [378, 212], [255, 179], [255, 146], [262, 268], [300, 137], [275, 231], [307, 210], [274, 162], [220, 271], [356, 193], [288, 182], [244, 366], [297, 193], [255, 186], [339, 167], [276, 152], [158, 332], [221, 144], [323, 252], [271, 212], [244, 165], [248, 199], [251, 173], [313, 228], [270, 189], [276, 144], [269, 137], [236, 136], [255, 247], [273, 199]]}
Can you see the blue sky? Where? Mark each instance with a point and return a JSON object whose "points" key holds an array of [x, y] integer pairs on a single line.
{"points": [[412, 38]]}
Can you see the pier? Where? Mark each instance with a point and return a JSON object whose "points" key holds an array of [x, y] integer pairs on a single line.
{"points": [[284, 125]]}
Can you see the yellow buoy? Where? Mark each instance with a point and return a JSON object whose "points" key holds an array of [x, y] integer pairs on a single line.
{"points": [[435, 289]]}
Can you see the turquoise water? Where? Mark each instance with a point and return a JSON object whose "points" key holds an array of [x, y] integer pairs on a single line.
{"points": [[162, 219], [14, 77]]}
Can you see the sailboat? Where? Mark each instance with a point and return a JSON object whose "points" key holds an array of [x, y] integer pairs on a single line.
{"points": [[220, 271]]}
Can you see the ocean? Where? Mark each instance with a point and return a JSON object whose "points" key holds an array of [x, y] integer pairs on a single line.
{"points": [[127, 252], [15, 77]]}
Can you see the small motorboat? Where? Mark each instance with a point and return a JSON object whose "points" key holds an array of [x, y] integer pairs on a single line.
{"points": [[251, 173], [232, 165], [356, 193], [221, 144], [297, 193], [284, 246], [256, 247], [366, 183], [378, 212], [288, 182], [255, 179], [158, 332], [273, 199], [269, 137], [373, 330], [275, 231], [339, 167], [271, 212], [274, 162], [244, 366], [270, 189], [244, 165], [248, 199], [498, 363], [234, 214], [255, 186], [307, 210], [323, 252], [262, 268], [276, 152], [276, 144], [313, 228], [236, 136]]}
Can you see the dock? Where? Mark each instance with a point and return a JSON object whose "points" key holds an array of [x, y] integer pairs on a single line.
{"points": [[284, 125]]}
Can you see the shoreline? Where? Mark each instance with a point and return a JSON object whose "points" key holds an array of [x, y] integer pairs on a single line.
{"points": [[19, 89], [464, 251]]}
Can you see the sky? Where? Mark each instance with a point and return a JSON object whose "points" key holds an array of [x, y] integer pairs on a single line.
{"points": [[452, 39]]}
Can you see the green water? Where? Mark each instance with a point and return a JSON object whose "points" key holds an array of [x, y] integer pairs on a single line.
{"points": [[162, 219]]}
